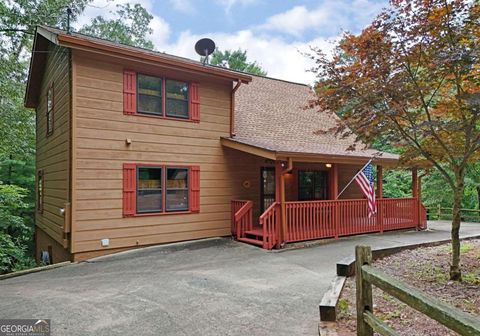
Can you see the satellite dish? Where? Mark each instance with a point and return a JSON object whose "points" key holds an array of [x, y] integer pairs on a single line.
{"points": [[205, 47]]}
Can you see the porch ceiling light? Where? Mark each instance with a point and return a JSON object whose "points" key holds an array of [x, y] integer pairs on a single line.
{"points": [[328, 165]]}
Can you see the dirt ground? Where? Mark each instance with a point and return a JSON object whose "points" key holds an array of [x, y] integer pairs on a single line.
{"points": [[425, 269]]}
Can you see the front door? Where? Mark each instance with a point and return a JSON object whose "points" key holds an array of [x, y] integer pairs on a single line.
{"points": [[267, 187]]}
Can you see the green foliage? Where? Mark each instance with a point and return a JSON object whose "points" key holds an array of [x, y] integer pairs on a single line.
{"points": [[130, 27], [342, 306], [15, 234], [236, 60], [18, 19]]}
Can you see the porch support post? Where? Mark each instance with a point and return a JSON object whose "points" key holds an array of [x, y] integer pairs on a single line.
{"points": [[283, 217], [279, 187], [333, 177], [379, 181], [380, 196]]}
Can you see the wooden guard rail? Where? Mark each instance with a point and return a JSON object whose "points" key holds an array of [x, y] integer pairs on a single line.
{"points": [[439, 212], [324, 219], [242, 218], [270, 222], [307, 220], [367, 323]]}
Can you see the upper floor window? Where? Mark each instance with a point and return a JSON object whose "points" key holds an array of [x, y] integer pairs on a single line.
{"points": [[158, 96], [150, 97], [177, 99], [49, 115]]}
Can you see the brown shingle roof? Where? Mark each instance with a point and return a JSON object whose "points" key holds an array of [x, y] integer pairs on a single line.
{"points": [[272, 114]]}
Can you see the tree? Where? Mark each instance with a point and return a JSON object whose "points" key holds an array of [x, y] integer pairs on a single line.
{"points": [[412, 77], [236, 60], [131, 26], [18, 20]]}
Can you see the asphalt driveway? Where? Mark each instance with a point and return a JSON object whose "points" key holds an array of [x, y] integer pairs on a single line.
{"points": [[210, 287]]}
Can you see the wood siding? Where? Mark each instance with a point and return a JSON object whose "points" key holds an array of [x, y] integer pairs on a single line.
{"points": [[53, 152], [100, 150]]}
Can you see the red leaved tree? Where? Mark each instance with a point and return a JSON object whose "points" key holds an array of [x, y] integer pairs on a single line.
{"points": [[413, 77]]}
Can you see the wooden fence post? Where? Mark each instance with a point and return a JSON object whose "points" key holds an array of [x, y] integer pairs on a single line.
{"points": [[439, 211], [363, 256]]}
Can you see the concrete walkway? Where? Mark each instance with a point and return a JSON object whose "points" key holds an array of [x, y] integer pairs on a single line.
{"points": [[212, 287]]}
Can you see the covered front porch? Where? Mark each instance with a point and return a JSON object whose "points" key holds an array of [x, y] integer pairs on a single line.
{"points": [[298, 199]]}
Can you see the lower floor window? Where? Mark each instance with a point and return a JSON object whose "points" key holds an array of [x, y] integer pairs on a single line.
{"points": [[177, 189], [312, 185], [162, 189], [149, 189]]}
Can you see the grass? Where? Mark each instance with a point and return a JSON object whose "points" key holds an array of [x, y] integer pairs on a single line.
{"points": [[464, 248]]}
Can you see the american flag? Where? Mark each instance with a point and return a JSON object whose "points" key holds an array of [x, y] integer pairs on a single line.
{"points": [[366, 182]]}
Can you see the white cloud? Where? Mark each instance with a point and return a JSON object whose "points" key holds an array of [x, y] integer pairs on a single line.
{"points": [[161, 29], [327, 18], [184, 6], [266, 43], [281, 59], [229, 4]]}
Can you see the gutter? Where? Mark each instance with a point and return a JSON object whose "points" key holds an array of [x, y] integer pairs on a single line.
{"points": [[70, 41]]}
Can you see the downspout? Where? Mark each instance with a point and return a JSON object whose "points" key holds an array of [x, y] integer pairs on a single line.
{"points": [[232, 109], [282, 200]]}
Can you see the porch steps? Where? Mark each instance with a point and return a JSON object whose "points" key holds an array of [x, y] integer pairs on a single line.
{"points": [[251, 241], [254, 237]]}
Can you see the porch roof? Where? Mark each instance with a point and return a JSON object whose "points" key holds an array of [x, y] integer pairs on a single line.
{"points": [[273, 119]]}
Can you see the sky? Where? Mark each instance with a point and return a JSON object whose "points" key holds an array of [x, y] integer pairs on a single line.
{"points": [[275, 33]]}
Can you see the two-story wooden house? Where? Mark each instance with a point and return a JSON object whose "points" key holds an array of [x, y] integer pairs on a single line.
{"points": [[136, 148]]}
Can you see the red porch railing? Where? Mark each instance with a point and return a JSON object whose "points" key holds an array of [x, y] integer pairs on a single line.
{"points": [[325, 219], [242, 217]]}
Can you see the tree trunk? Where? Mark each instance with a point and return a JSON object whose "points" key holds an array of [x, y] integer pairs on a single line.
{"points": [[455, 272], [478, 197]]}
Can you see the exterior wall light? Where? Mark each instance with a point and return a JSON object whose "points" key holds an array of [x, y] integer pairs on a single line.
{"points": [[328, 165]]}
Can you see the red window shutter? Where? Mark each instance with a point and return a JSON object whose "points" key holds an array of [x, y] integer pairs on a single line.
{"points": [[195, 189], [194, 102], [129, 92], [129, 189]]}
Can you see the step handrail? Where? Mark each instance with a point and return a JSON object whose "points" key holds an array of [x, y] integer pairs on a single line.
{"points": [[269, 221], [244, 219]]}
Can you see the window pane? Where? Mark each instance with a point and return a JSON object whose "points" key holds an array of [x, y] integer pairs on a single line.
{"points": [[149, 189], [177, 108], [177, 200], [177, 189], [177, 90], [149, 94], [149, 104], [177, 99], [150, 85], [49, 122], [49, 99]]}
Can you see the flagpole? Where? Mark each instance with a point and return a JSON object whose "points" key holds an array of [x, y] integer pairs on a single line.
{"points": [[341, 192]]}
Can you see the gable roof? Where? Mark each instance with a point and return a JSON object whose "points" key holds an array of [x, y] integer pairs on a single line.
{"points": [[272, 115], [74, 40]]}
